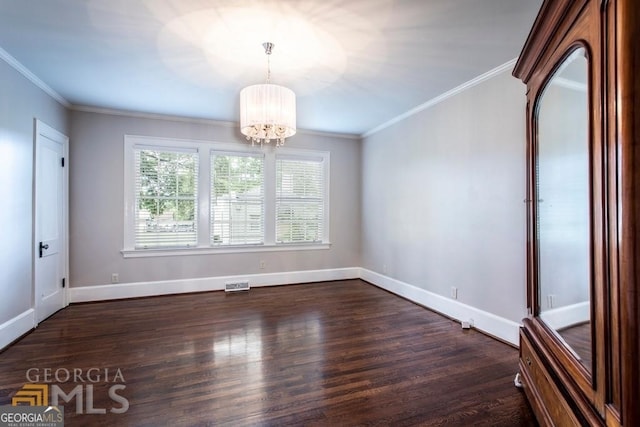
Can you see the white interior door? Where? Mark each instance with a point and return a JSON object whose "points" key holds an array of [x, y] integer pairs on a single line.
{"points": [[50, 245]]}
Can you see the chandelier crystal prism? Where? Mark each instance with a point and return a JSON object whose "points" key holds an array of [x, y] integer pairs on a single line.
{"points": [[267, 111]]}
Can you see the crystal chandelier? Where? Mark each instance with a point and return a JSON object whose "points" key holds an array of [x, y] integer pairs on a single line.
{"points": [[267, 111]]}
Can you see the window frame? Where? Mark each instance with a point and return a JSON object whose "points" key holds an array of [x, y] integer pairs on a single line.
{"points": [[323, 159], [166, 150], [203, 215], [221, 153]]}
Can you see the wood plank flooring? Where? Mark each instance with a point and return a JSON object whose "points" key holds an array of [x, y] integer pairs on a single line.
{"points": [[578, 337], [327, 354]]}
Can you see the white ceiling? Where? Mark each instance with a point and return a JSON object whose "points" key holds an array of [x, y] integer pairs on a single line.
{"points": [[354, 64]]}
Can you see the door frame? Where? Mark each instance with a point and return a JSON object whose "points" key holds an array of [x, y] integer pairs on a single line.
{"points": [[41, 130]]}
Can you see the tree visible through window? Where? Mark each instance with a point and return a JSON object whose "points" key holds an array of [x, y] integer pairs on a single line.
{"points": [[237, 199], [166, 198], [190, 197]]}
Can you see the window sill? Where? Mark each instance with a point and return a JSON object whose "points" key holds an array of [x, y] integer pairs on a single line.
{"points": [[146, 253]]}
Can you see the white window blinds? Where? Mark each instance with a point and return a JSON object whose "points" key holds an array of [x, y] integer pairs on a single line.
{"points": [[237, 199], [200, 197], [166, 201], [300, 206]]}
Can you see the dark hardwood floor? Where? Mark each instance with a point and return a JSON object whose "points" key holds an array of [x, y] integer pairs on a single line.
{"points": [[326, 354], [578, 337]]}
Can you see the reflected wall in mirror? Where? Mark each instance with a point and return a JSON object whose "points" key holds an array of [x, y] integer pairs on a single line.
{"points": [[563, 206]]}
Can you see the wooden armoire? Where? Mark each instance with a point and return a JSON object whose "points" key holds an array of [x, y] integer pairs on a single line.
{"points": [[579, 345]]}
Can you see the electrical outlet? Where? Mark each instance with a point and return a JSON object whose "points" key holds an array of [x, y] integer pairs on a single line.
{"points": [[263, 264], [551, 300], [115, 278], [384, 268], [454, 292]]}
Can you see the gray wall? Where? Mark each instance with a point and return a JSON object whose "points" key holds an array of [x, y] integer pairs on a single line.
{"points": [[443, 195], [97, 205], [563, 186], [20, 103], [434, 201]]}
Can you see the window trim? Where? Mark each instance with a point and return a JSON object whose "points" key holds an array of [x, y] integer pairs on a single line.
{"points": [[214, 152], [144, 253], [309, 156], [204, 150], [168, 150]]}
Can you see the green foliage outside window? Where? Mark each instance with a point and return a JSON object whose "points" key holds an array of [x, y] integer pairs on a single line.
{"points": [[167, 183], [236, 174]]}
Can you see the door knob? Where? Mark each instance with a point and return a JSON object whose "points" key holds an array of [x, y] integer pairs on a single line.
{"points": [[43, 247]]}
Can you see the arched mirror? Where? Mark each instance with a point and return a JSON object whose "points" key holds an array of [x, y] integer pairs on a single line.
{"points": [[563, 206]]}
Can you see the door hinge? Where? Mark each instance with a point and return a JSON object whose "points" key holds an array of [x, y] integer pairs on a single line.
{"points": [[64, 282], [63, 162]]}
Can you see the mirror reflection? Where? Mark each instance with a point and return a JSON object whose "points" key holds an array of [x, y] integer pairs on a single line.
{"points": [[563, 206]]}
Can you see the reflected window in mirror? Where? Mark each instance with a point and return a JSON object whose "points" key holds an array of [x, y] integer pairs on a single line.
{"points": [[563, 206]]}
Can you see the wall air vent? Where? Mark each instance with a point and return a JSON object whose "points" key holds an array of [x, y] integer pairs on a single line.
{"points": [[236, 286]]}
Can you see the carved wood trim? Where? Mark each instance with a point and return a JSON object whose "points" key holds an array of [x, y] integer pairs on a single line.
{"points": [[553, 20], [611, 31], [628, 123], [574, 396]]}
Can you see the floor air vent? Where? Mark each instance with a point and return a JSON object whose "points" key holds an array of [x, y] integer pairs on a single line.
{"points": [[236, 286]]}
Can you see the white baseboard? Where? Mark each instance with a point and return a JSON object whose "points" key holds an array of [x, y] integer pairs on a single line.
{"points": [[166, 287], [14, 328], [499, 327], [569, 315]]}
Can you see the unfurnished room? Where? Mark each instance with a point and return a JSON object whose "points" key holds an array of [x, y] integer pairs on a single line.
{"points": [[319, 213]]}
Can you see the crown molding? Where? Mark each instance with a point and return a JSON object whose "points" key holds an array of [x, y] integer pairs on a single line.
{"points": [[569, 84], [13, 62], [152, 116], [438, 99], [157, 116]]}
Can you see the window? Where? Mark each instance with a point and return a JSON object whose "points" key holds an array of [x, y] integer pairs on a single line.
{"points": [[191, 197], [166, 198], [237, 199], [299, 200]]}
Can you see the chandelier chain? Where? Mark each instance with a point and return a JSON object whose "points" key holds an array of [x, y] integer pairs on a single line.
{"points": [[268, 48], [268, 68]]}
